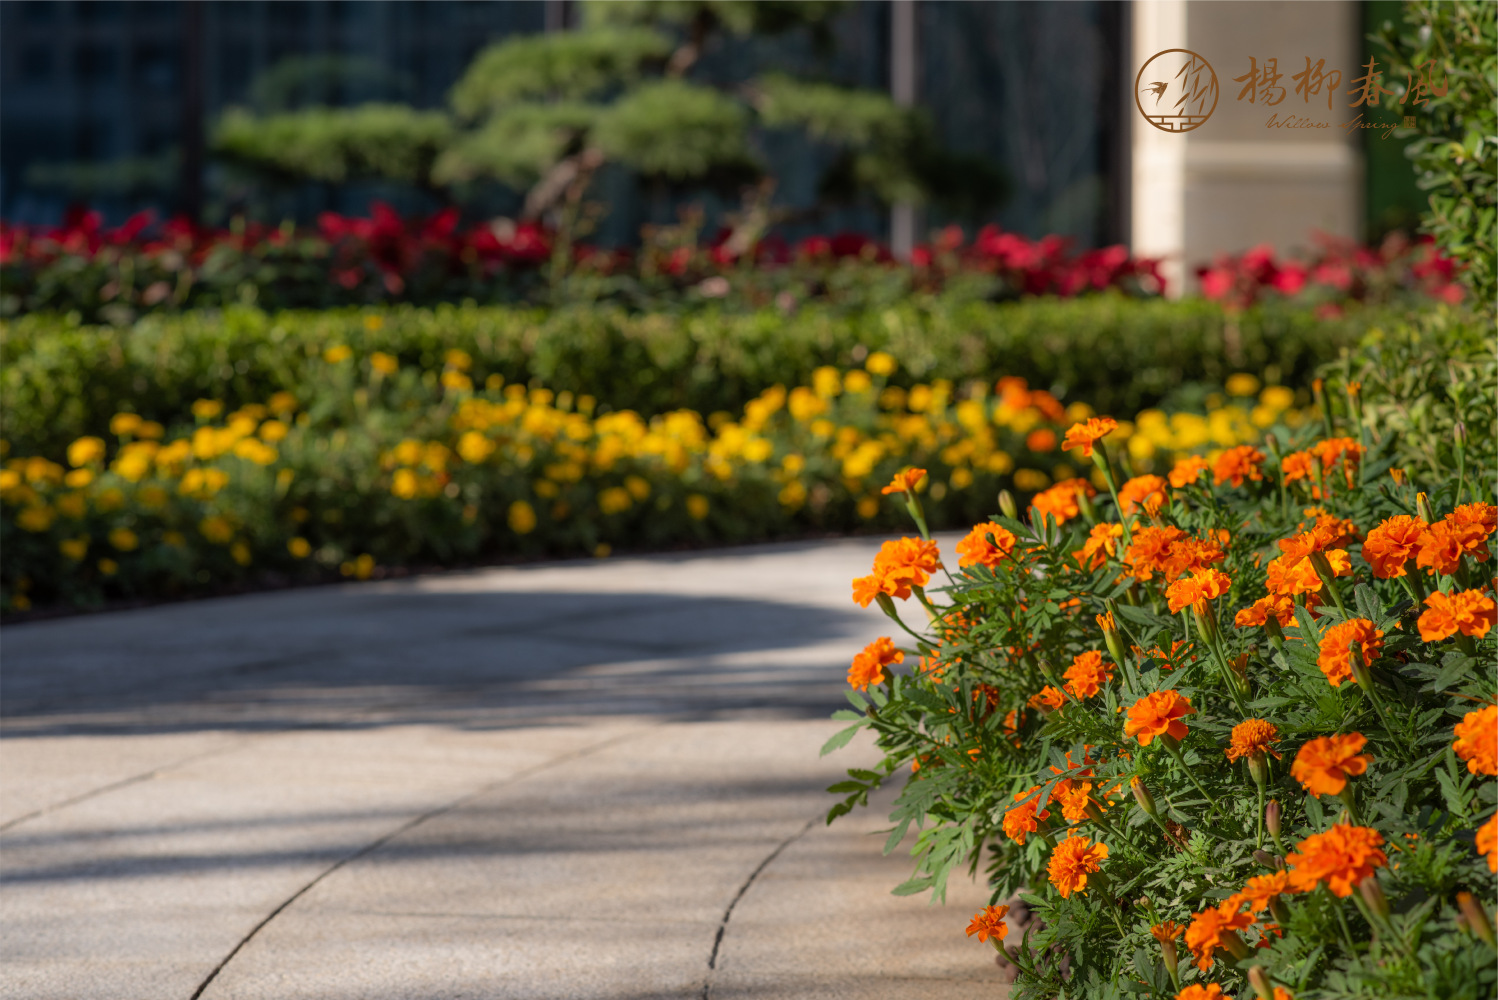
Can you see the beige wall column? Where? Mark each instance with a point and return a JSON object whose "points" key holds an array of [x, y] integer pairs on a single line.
{"points": [[1254, 172]]}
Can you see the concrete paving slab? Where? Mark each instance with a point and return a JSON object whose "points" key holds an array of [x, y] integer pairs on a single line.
{"points": [[526, 782]]}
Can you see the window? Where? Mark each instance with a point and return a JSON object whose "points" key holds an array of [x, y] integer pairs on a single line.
{"points": [[36, 63]]}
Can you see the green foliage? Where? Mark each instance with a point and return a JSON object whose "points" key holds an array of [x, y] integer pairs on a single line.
{"points": [[1420, 378], [961, 716], [676, 129], [546, 112], [517, 145], [1456, 152], [565, 66], [336, 144], [325, 79], [62, 379]]}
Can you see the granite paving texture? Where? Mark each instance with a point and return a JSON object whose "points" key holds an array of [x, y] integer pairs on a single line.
{"points": [[593, 779]]}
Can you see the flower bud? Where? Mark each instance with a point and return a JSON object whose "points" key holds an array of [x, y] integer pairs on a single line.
{"points": [[1278, 910], [887, 605], [1373, 895], [1144, 798], [1399, 476], [1422, 507], [1272, 817], [1007, 506], [1459, 434], [1258, 769], [1260, 982], [1264, 858], [1476, 916]]}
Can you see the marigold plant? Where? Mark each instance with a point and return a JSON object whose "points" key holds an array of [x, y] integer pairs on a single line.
{"points": [[1168, 744]]}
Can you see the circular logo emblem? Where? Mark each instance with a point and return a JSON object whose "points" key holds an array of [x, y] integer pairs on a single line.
{"points": [[1176, 90]]}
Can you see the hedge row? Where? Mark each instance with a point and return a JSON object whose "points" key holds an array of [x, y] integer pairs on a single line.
{"points": [[63, 379]]}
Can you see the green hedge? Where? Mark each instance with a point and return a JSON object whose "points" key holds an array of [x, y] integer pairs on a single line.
{"points": [[63, 379]]}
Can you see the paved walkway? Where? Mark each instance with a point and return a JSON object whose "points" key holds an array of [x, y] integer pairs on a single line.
{"points": [[592, 779]]}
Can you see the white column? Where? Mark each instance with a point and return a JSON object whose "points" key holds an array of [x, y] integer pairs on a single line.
{"points": [[1158, 164], [903, 220]]}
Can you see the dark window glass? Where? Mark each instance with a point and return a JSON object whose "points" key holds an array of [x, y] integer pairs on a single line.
{"points": [[39, 11], [96, 63], [101, 11], [36, 63], [156, 66]]}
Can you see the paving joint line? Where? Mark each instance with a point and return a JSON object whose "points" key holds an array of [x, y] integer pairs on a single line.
{"points": [[712, 958], [403, 828], [123, 783]]}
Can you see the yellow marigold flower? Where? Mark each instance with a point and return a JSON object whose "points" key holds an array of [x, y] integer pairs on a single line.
{"points": [[124, 540], [74, 548], [36, 519], [1072, 861], [299, 547], [207, 409], [124, 423], [697, 506], [1477, 740], [85, 451], [521, 518], [273, 430], [337, 354], [880, 363], [459, 359], [1253, 738], [404, 484], [216, 529], [474, 447], [78, 478], [108, 567], [280, 403], [240, 553], [857, 382]]}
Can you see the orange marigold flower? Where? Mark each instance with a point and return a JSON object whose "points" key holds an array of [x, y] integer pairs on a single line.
{"points": [[1142, 490], [1074, 797], [1392, 544], [1191, 554], [1149, 551], [1477, 740], [1087, 674], [1089, 433], [1260, 889], [1158, 714], [989, 923], [1049, 698], [1323, 764], [1475, 521], [1470, 612], [1296, 465], [868, 666], [1200, 587], [1487, 841], [1101, 543], [1334, 657], [1343, 449], [1060, 501], [1237, 464], [1200, 991], [1072, 861], [1443, 544], [901, 564], [1210, 928], [1278, 606], [1040, 440], [1252, 737], [1340, 858], [1105, 622], [1187, 470], [1023, 819], [988, 544], [904, 481], [1167, 931], [1291, 576]]}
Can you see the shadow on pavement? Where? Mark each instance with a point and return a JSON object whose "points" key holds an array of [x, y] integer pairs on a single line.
{"points": [[376, 657]]}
